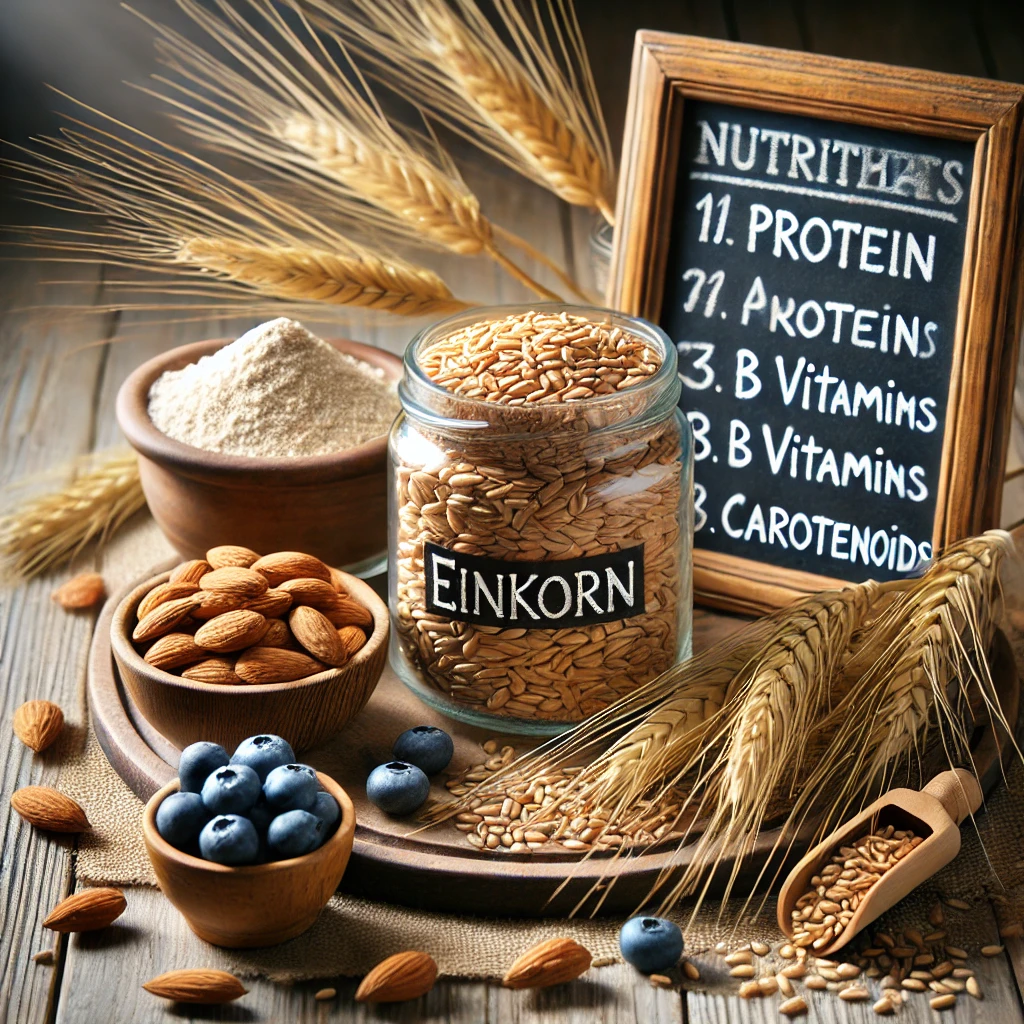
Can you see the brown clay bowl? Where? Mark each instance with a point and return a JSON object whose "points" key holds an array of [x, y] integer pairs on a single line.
{"points": [[260, 905], [332, 506], [304, 712]]}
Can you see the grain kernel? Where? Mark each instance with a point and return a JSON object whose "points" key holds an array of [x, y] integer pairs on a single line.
{"points": [[742, 971], [794, 1007], [994, 950], [943, 1002]]}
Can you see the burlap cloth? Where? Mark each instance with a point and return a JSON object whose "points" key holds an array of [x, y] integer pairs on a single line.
{"points": [[352, 935]]}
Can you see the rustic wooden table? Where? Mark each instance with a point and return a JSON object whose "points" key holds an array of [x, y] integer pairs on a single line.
{"points": [[59, 380]]}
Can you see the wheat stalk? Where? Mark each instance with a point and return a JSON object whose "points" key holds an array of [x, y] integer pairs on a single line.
{"points": [[296, 109], [531, 104], [202, 232], [48, 530]]}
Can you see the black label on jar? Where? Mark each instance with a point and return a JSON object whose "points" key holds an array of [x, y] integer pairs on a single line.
{"points": [[534, 595]]}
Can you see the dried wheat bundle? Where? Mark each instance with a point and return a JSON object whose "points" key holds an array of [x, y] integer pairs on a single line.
{"points": [[43, 532], [202, 234], [804, 713], [525, 95], [296, 112]]}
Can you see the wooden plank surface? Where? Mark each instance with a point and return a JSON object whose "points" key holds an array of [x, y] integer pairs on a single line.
{"points": [[56, 405]]}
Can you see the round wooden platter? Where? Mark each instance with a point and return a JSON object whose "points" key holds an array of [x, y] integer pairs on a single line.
{"points": [[437, 869]]}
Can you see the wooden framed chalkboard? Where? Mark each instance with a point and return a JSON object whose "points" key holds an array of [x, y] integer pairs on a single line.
{"points": [[834, 247]]}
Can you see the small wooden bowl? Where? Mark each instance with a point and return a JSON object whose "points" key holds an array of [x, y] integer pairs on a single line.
{"points": [[304, 712], [332, 506], [260, 905]]}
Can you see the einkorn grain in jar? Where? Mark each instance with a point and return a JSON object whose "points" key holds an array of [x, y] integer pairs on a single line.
{"points": [[541, 507]]}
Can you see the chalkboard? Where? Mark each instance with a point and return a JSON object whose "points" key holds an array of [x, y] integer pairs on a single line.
{"points": [[834, 247], [811, 288]]}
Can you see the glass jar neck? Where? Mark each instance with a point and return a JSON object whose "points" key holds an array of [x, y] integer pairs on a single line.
{"points": [[436, 406]]}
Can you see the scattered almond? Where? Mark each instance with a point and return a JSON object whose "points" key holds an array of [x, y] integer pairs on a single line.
{"points": [[49, 809], [231, 554], [196, 985], [290, 565], [164, 592], [213, 670], [86, 911], [37, 723], [164, 618], [175, 650], [190, 572], [314, 631], [403, 976], [551, 962], [83, 591], [232, 631], [275, 665]]}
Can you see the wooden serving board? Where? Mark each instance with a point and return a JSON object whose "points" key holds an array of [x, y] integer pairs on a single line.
{"points": [[437, 869]]}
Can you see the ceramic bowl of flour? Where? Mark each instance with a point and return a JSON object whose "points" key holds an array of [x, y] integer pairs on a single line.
{"points": [[331, 505]]}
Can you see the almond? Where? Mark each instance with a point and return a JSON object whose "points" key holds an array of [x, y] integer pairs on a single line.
{"points": [[37, 723], [551, 962], [196, 985], [164, 592], [309, 590], [338, 581], [232, 631], [348, 612], [277, 635], [216, 602], [290, 565], [164, 618], [314, 631], [352, 639], [275, 665], [213, 670], [403, 976], [231, 554], [83, 591], [272, 604], [233, 579], [190, 572], [49, 809], [87, 911], [174, 651]]}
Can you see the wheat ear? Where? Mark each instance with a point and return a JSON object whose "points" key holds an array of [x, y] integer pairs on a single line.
{"points": [[311, 275], [46, 531]]}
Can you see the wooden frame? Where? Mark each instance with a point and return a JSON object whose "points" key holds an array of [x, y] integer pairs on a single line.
{"points": [[669, 69]]}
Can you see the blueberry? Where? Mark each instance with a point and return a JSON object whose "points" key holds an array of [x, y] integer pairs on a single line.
{"points": [[327, 810], [261, 816], [292, 787], [233, 789], [294, 833], [651, 944], [196, 763], [263, 754], [230, 839], [397, 787], [426, 746], [180, 818]]}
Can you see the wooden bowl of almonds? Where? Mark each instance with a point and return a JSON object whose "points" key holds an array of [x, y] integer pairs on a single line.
{"points": [[226, 646]]}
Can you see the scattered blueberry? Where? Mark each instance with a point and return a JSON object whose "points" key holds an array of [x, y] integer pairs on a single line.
{"points": [[397, 787], [426, 746], [196, 763], [181, 817], [263, 754], [292, 787], [651, 944], [230, 839], [327, 810], [294, 833], [233, 789]]}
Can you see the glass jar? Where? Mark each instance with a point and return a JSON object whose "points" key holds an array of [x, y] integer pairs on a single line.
{"points": [[541, 551]]}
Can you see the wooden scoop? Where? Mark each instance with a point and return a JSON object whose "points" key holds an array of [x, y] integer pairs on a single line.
{"points": [[934, 813]]}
